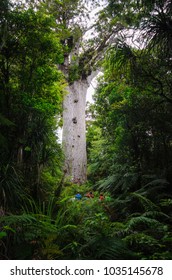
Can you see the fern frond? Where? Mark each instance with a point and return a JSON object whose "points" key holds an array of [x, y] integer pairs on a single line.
{"points": [[108, 182], [135, 222], [156, 214], [110, 248], [15, 219], [145, 202], [153, 186], [114, 252], [166, 202], [141, 239]]}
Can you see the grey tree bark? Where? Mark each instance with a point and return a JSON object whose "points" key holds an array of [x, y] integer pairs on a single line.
{"points": [[74, 130], [74, 139]]}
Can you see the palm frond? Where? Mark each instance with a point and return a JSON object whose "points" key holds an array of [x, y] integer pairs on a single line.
{"points": [[159, 31]]}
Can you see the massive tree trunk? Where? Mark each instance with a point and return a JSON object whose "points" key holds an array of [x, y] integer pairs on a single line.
{"points": [[74, 138], [74, 129]]}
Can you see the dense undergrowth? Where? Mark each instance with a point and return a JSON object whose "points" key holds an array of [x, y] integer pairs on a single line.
{"points": [[63, 228]]}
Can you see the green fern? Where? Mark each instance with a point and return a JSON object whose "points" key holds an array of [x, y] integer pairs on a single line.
{"points": [[145, 202], [166, 202], [146, 222], [103, 247], [17, 219], [157, 215], [141, 239], [155, 185]]}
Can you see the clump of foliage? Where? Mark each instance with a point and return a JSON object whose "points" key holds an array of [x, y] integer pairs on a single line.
{"points": [[30, 98], [129, 144], [63, 229]]}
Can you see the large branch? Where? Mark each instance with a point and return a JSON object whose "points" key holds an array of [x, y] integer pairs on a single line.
{"points": [[91, 58]]}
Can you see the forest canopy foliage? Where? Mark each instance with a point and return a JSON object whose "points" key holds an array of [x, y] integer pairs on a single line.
{"points": [[129, 135]]}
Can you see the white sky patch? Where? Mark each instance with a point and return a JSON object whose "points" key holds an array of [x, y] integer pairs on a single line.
{"points": [[92, 88], [59, 133], [90, 93]]}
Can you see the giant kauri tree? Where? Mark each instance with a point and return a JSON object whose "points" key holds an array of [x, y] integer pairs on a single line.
{"points": [[81, 61]]}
